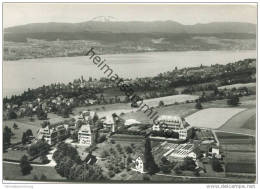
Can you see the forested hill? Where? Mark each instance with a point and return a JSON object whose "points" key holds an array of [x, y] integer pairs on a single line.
{"points": [[135, 27], [41, 40]]}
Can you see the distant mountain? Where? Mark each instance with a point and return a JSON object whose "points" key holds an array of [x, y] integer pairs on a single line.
{"points": [[170, 27], [108, 37]]}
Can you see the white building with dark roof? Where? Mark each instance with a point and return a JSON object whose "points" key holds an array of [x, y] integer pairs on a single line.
{"points": [[85, 135], [174, 123]]}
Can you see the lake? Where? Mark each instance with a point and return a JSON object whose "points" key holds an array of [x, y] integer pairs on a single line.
{"points": [[31, 73]]}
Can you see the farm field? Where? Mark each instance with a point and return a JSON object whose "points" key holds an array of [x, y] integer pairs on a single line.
{"points": [[12, 172], [250, 123], [212, 118], [244, 123], [232, 138], [180, 109], [170, 99], [241, 168], [118, 108]]}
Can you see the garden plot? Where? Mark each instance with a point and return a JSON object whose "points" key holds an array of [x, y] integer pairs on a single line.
{"points": [[212, 118]]}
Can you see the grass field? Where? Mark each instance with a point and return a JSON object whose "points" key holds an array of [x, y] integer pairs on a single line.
{"points": [[170, 99], [12, 172], [250, 123], [180, 109], [212, 117], [25, 123], [238, 85], [241, 167], [244, 123], [232, 138], [240, 157]]}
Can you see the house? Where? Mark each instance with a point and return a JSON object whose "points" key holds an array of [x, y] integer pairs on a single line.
{"points": [[113, 122], [174, 123], [192, 155], [108, 122], [139, 163], [130, 122], [88, 115], [200, 167], [53, 134], [85, 135]]}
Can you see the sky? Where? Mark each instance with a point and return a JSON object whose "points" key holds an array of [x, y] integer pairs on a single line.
{"points": [[25, 13]]}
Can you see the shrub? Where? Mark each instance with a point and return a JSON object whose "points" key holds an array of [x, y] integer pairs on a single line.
{"points": [[104, 154], [233, 101], [101, 138], [111, 174]]}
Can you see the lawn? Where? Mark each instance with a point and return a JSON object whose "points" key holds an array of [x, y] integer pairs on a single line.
{"points": [[212, 118], [12, 172]]}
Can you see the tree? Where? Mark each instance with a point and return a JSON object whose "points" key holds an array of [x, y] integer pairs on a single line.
{"points": [[41, 114], [111, 174], [35, 177], [11, 114], [44, 159], [165, 165], [24, 138], [233, 101], [29, 132], [119, 148], [198, 105], [161, 103], [104, 154], [128, 150], [7, 134], [25, 165], [146, 177], [149, 163], [74, 136], [216, 165], [188, 164], [178, 171], [45, 123], [43, 177], [15, 126], [101, 138]]}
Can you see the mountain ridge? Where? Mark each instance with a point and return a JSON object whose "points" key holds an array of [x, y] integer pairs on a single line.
{"points": [[135, 27]]}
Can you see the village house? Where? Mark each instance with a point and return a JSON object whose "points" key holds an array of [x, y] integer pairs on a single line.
{"points": [[174, 123]]}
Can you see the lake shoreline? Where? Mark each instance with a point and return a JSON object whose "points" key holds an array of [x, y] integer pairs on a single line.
{"points": [[46, 71]]}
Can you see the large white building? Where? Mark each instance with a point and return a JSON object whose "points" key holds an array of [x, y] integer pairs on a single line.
{"points": [[85, 135], [174, 123], [53, 134]]}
